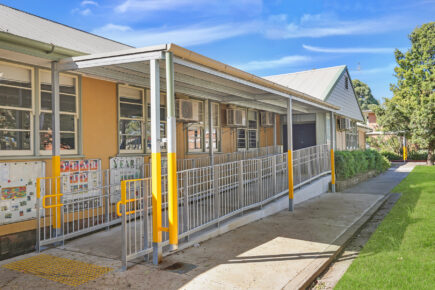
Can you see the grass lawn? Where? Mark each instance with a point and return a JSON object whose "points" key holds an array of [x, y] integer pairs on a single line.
{"points": [[401, 252]]}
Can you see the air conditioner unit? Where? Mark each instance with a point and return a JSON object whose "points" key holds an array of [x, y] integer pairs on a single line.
{"points": [[189, 110], [236, 117], [266, 119], [344, 124]]}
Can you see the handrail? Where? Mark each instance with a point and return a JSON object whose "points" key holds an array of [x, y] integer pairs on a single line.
{"points": [[124, 199], [51, 205]]}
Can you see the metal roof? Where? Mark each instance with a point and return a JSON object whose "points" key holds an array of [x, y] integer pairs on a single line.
{"points": [[315, 82], [36, 28]]}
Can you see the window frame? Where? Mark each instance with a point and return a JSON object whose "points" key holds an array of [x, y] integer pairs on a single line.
{"points": [[214, 127], [247, 130], [76, 114], [200, 125], [143, 120], [31, 151]]}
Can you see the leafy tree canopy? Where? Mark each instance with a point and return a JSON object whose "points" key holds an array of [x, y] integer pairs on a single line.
{"points": [[412, 109], [364, 94]]}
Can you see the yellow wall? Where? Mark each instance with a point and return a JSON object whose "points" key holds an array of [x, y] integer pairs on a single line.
{"points": [[100, 121]]}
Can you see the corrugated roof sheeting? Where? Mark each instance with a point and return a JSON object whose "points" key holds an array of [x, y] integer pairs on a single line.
{"points": [[36, 28], [312, 82]]}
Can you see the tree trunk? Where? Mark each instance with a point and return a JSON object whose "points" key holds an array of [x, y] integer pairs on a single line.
{"points": [[430, 151]]}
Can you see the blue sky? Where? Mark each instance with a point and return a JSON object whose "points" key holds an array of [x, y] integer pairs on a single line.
{"points": [[262, 37]]}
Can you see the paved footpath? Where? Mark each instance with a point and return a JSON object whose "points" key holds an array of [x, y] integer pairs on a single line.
{"points": [[284, 250]]}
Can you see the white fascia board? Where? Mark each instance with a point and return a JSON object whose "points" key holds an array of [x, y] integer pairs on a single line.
{"points": [[245, 82], [81, 62]]}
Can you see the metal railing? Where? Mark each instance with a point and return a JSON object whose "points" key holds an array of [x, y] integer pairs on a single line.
{"points": [[210, 195], [77, 203]]}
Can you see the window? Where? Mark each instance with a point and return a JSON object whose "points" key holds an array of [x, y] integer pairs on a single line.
{"points": [[162, 122], [131, 119], [346, 82], [194, 138], [215, 137], [247, 138], [352, 137], [16, 109], [68, 103]]}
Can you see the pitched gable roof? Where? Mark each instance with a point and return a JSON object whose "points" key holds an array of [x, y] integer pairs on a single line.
{"points": [[315, 82], [23, 24], [326, 84]]}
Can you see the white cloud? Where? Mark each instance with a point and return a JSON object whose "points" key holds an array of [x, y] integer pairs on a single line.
{"points": [[186, 36], [323, 25], [160, 5], [257, 65], [85, 12], [349, 49], [374, 71], [88, 2]]}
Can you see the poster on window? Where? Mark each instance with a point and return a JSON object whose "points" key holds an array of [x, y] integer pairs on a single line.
{"points": [[80, 177], [18, 190], [122, 168]]}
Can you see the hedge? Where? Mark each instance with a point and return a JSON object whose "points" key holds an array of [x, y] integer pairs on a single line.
{"points": [[351, 163], [412, 155]]}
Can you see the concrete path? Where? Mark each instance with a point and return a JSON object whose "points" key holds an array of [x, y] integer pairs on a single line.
{"points": [[284, 250]]}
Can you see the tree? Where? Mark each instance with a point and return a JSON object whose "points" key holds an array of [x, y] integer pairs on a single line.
{"points": [[412, 109], [364, 94]]}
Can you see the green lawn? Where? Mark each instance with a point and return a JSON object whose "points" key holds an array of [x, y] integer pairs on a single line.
{"points": [[401, 252]]}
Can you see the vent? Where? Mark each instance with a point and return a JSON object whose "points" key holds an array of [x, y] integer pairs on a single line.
{"points": [[266, 119], [189, 110]]}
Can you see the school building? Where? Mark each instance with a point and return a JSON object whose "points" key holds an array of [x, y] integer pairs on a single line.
{"points": [[161, 140]]}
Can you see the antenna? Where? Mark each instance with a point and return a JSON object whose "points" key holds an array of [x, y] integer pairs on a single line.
{"points": [[359, 66]]}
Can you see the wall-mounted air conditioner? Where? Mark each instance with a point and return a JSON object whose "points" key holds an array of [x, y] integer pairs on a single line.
{"points": [[236, 117], [266, 119], [189, 110], [344, 124]]}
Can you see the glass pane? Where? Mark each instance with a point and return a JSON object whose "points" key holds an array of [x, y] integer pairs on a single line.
{"points": [[66, 141], [131, 111], [130, 142], [241, 138], [127, 127], [162, 113], [66, 122], [194, 138], [15, 97], [14, 140], [130, 100], [213, 139], [163, 134], [67, 103], [67, 89], [15, 75], [252, 135], [14, 119]]}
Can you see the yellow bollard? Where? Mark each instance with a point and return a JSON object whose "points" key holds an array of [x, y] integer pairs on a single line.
{"points": [[55, 188]]}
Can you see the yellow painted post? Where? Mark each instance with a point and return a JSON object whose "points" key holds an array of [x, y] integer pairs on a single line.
{"points": [[333, 170], [55, 185], [290, 175], [156, 162], [172, 155], [289, 154], [404, 154]]}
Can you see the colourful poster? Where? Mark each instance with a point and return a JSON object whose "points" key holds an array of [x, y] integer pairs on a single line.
{"points": [[64, 166], [74, 166], [84, 165], [84, 177], [13, 192], [93, 164]]}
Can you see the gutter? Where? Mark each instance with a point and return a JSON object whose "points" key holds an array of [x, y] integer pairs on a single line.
{"points": [[219, 66], [50, 51]]}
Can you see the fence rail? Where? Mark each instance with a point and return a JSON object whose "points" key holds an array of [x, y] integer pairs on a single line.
{"points": [[207, 196], [212, 194]]}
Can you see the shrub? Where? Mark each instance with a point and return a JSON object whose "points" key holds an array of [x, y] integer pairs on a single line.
{"points": [[391, 155], [417, 155], [350, 163]]}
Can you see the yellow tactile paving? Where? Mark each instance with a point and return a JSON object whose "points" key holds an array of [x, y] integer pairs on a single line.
{"points": [[62, 270]]}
